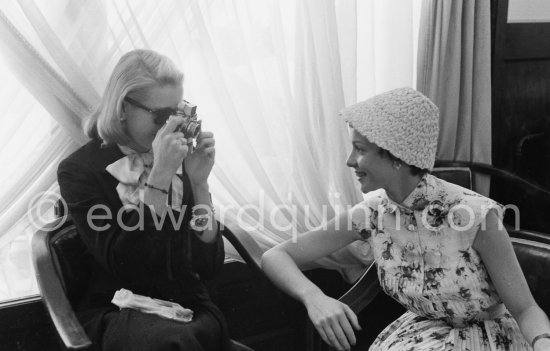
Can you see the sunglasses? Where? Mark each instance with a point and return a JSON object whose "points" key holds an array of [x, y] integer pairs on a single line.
{"points": [[160, 116]]}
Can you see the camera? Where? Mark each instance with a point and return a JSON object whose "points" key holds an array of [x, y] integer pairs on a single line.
{"points": [[191, 127]]}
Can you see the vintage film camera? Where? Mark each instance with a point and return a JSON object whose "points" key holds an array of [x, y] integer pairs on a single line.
{"points": [[191, 127]]}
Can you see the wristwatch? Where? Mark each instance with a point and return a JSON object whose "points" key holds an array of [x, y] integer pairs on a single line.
{"points": [[199, 222]]}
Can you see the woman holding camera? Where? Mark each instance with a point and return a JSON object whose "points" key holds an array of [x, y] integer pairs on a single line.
{"points": [[138, 194], [440, 249]]}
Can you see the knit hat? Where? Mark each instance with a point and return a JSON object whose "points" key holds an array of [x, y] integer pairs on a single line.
{"points": [[402, 121]]}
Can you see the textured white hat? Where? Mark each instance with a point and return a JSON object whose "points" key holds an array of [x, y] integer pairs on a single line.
{"points": [[402, 121]]}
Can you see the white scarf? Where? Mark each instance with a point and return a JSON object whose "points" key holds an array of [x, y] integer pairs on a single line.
{"points": [[132, 171]]}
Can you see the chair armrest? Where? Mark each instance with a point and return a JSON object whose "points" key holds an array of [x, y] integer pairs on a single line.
{"points": [[363, 291], [60, 310], [481, 168], [531, 235], [247, 248], [237, 346]]}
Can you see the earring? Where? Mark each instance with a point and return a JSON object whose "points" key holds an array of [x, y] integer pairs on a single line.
{"points": [[397, 165]]}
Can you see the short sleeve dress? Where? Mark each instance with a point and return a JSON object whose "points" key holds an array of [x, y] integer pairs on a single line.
{"points": [[425, 260]]}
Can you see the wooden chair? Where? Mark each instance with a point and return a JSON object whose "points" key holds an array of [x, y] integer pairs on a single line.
{"points": [[61, 264]]}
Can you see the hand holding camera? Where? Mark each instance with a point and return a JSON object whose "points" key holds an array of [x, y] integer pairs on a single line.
{"points": [[174, 143], [199, 163], [200, 159], [191, 126], [170, 147]]}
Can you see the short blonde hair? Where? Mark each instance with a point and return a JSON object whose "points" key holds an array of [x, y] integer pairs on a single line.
{"points": [[135, 74]]}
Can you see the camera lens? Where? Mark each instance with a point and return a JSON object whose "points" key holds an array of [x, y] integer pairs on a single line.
{"points": [[192, 130]]}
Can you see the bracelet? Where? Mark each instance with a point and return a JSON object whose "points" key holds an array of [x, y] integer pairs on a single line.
{"points": [[164, 191], [538, 337]]}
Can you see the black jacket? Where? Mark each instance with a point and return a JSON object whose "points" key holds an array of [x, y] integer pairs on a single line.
{"points": [[164, 264]]}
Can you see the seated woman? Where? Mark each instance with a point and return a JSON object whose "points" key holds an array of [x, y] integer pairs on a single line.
{"points": [[440, 249], [138, 195]]}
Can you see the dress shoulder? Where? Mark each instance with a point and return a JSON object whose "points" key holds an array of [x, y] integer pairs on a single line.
{"points": [[364, 215], [468, 209]]}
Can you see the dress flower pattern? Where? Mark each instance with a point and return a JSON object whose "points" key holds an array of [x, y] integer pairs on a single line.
{"points": [[425, 260]]}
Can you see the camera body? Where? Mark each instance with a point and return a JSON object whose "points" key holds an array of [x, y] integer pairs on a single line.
{"points": [[191, 127]]}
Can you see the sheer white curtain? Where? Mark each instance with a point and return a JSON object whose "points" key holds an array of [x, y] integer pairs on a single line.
{"points": [[269, 77]]}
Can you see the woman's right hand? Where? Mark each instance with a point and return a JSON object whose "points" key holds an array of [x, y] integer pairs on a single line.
{"points": [[169, 148], [333, 320]]}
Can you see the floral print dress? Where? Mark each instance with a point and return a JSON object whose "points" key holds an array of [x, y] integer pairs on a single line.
{"points": [[425, 260]]}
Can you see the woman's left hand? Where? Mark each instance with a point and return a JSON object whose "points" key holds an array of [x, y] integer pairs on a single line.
{"points": [[199, 162]]}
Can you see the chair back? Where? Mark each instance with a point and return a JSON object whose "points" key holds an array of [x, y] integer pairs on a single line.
{"points": [[461, 176], [71, 259], [62, 273], [63, 269], [533, 253]]}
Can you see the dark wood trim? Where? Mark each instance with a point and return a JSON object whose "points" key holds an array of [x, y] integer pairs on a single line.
{"points": [[499, 37], [527, 41], [25, 325], [498, 79]]}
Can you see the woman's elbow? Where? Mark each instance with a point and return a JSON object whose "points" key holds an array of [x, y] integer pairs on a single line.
{"points": [[273, 258], [267, 257]]}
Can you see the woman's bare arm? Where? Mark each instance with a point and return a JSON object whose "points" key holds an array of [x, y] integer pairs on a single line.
{"points": [[333, 320], [497, 253]]}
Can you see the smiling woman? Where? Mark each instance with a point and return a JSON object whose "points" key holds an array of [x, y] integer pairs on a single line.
{"points": [[457, 275]]}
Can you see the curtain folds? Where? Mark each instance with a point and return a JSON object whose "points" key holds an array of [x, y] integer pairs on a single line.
{"points": [[61, 100], [454, 71], [268, 76], [37, 173]]}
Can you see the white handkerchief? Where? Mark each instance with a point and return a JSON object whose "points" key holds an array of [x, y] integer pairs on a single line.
{"points": [[124, 298]]}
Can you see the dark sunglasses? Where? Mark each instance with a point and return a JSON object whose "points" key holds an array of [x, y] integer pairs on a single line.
{"points": [[160, 116]]}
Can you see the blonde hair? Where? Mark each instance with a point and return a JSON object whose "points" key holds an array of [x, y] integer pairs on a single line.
{"points": [[135, 74]]}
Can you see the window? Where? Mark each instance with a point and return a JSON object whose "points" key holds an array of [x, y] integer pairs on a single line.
{"points": [[27, 133], [269, 78]]}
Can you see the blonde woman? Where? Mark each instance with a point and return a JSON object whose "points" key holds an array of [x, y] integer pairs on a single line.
{"points": [[119, 187]]}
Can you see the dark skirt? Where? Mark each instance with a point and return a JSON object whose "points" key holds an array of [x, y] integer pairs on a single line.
{"points": [[131, 330]]}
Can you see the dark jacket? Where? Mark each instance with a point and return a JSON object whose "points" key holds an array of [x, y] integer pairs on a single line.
{"points": [[164, 264]]}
